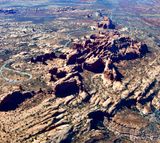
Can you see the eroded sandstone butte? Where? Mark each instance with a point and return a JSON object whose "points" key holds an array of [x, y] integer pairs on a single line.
{"points": [[97, 55], [90, 98]]}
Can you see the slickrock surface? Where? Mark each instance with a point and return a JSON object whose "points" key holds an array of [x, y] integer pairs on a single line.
{"points": [[91, 99]]}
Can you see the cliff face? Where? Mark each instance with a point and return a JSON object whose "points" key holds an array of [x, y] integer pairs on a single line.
{"points": [[91, 100]]}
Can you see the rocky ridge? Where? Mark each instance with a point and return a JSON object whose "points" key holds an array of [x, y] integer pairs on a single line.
{"points": [[90, 96]]}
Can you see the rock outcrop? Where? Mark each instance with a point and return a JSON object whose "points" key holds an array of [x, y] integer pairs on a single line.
{"points": [[47, 56], [12, 101], [95, 65], [67, 88], [111, 72], [106, 23], [97, 54], [90, 100]]}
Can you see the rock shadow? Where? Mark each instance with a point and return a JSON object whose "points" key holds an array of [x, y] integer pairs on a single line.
{"points": [[12, 101]]}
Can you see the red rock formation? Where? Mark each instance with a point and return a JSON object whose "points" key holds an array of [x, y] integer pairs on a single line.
{"points": [[12, 101], [66, 88], [106, 23], [91, 54], [111, 72], [95, 65]]}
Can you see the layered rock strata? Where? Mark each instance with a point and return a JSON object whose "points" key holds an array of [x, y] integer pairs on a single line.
{"points": [[91, 99]]}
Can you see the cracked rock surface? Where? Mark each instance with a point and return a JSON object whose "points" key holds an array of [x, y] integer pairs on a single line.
{"points": [[92, 99]]}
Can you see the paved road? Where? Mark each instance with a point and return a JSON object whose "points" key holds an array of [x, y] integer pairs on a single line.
{"points": [[4, 67], [15, 71]]}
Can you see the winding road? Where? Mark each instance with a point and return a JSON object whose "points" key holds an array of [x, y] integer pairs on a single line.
{"points": [[15, 71], [4, 66]]}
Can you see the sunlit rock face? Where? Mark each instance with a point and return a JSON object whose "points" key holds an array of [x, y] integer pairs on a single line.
{"points": [[88, 79], [106, 23], [97, 55]]}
